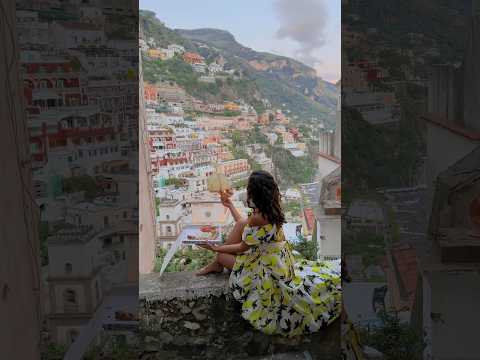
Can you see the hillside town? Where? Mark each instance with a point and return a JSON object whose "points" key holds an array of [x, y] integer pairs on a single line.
{"points": [[190, 140], [79, 69]]}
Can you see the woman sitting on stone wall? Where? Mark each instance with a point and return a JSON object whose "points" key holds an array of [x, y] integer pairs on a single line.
{"points": [[279, 295]]}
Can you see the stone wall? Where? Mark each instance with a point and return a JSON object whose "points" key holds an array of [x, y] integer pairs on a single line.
{"points": [[188, 317]]}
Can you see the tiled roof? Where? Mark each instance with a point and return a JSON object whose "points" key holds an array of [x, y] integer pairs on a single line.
{"points": [[309, 218], [451, 126], [405, 263]]}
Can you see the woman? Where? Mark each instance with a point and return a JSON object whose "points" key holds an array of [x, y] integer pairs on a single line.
{"points": [[278, 295]]}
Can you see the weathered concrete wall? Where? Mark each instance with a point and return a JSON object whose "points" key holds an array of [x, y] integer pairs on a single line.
{"points": [[147, 237], [188, 317], [20, 309]]}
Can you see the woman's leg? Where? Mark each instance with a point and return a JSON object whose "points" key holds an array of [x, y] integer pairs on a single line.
{"points": [[225, 260]]}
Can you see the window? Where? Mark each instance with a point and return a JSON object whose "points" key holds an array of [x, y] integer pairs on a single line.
{"points": [[169, 229], [125, 214], [105, 221], [167, 217], [72, 335], [70, 303], [68, 268], [107, 242]]}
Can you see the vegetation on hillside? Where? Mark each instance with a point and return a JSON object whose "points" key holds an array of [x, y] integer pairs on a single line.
{"points": [[292, 170], [376, 157], [188, 259], [304, 95]]}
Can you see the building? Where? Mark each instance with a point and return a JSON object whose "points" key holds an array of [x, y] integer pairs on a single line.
{"points": [[214, 68], [200, 68], [31, 32], [177, 49], [150, 93], [71, 34], [328, 217], [308, 221], [74, 282], [448, 265], [207, 210], [231, 106], [156, 54], [209, 123], [169, 220], [193, 58], [234, 168], [171, 93]]}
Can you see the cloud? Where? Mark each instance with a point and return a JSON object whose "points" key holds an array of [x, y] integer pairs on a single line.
{"points": [[304, 22]]}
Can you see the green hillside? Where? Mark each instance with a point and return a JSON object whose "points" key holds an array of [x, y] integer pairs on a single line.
{"points": [[284, 82]]}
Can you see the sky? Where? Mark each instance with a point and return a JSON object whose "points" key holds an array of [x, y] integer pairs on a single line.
{"points": [[306, 30]]}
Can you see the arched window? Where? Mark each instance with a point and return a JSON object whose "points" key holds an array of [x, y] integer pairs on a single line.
{"points": [[68, 268], [70, 301]]}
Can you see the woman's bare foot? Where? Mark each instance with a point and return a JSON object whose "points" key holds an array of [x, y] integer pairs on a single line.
{"points": [[213, 267]]}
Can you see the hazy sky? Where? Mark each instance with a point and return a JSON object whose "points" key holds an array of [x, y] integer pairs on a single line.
{"points": [[307, 30]]}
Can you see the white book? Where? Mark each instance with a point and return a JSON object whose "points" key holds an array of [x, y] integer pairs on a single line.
{"points": [[193, 230]]}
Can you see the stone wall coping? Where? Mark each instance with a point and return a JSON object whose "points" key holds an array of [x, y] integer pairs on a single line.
{"points": [[181, 285]]}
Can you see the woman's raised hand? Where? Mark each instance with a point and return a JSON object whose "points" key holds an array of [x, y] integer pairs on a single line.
{"points": [[225, 198]]}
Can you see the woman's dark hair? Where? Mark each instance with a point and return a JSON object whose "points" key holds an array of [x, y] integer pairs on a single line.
{"points": [[263, 191]]}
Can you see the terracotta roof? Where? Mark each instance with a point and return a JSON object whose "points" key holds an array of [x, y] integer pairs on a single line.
{"points": [[329, 157], [309, 218], [405, 263]]}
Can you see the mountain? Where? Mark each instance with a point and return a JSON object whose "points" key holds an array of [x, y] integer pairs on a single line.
{"points": [[286, 83]]}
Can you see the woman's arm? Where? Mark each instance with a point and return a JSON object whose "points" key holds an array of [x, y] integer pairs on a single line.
{"points": [[225, 199], [236, 215], [234, 249]]}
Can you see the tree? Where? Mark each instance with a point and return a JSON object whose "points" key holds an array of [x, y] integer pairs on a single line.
{"points": [[307, 248], [84, 183], [396, 340]]}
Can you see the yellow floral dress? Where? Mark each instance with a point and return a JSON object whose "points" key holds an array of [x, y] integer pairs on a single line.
{"points": [[279, 295]]}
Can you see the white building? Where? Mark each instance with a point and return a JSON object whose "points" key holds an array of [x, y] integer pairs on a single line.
{"points": [[200, 67], [177, 49], [215, 68], [72, 35], [328, 223], [169, 220]]}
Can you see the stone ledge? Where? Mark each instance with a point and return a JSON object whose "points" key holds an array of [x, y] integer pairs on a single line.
{"points": [[188, 317], [182, 285]]}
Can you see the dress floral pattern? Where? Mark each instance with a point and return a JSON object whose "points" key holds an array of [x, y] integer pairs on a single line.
{"points": [[279, 294]]}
